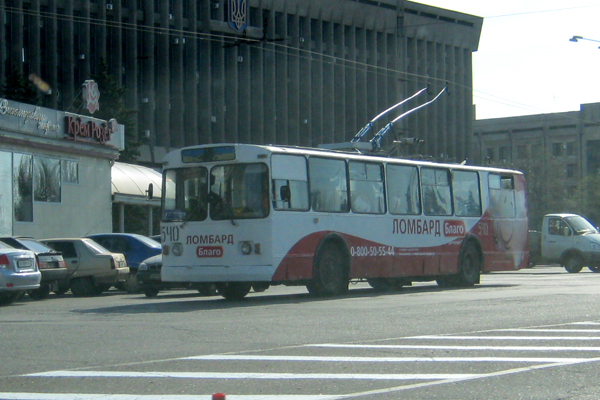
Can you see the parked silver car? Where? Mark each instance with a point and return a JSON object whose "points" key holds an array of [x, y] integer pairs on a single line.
{"points": [[19, 272]]}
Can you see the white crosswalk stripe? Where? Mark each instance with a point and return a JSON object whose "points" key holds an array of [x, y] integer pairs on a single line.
{"points": [[544, 354]]}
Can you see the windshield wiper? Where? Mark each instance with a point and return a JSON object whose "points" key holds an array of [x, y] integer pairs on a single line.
{"points": [[221, 207]]}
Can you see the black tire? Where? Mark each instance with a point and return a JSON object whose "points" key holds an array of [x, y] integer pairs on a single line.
{"points": [[8, 298], [260, 287], [83, 287], [207, 289], [40, 293], [573, 263], [386, 284], [594, 268], [151, 292], [234, 290], [469, 265], [330, 277]]}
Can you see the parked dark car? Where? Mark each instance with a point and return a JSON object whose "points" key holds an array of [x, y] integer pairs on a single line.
{"points": [[136, 249], [50, 262], [150, 282]]}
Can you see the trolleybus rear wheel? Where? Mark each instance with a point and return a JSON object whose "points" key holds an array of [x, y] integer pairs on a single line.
{"points": [[329, 275]]}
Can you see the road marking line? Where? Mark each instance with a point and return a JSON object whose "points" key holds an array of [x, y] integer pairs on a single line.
{"points": [[216, 357], [81, 396], [432, 347], [244, 375], [540, 338], [552, 330]]}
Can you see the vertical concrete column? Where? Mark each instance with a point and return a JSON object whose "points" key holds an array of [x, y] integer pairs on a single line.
{"points": [[114, 47], [51, 67], [231, 93], [451, 105], [330, 131], [316, 106], [210, 79], [177, 42], [361, 75], [244, 94], [419, 117], [269, 58], [190, 132], [351, 82], [3, 44], [256, 96], [342, 127], [465, 136], [293, 80], [133, 65], [281, 135], [305, 81], [85, 50], [67, 61], [100, 37], [162, 64], [372, 72], [17, 19], [35, 45], [147, 74]]}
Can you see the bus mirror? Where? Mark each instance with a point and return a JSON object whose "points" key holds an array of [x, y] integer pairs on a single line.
{"points": [[150, 191], [285, 193]]}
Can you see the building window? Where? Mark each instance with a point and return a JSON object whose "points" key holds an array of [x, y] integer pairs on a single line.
{"points": [[557, 149], [570, 170], [490, 154], [23, 187], [571, 149], [46, 179], [70, 171], [503, 153], [522, 152]]}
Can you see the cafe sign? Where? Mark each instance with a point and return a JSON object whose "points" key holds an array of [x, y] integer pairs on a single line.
{"points": [[78, 129]]}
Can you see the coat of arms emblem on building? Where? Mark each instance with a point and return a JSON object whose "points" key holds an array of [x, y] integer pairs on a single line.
{"points": [[238, 14]]}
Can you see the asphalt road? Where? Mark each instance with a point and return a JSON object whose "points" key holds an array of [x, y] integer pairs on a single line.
{"points": [[530, 334]]}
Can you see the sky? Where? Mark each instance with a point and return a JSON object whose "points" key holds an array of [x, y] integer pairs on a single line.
{"points": [[525, 63]]}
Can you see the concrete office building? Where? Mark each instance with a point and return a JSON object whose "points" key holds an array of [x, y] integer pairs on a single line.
{"points": [[556, 151], [297, 72]]}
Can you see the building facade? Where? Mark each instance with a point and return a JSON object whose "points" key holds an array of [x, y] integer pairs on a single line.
{"points": [[557, 152], [55, 172], [291, 72]]}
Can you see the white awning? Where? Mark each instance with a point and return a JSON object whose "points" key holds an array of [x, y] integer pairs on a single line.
{"points": [[130, 184]]}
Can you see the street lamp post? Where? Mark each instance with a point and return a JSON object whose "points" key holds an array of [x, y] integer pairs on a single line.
{"points": [[578, 38]]}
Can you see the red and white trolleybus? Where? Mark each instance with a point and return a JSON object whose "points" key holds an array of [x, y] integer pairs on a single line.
{"points": [[241, 215]]}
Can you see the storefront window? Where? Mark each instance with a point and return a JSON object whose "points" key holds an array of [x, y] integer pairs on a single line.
{"points": [[46, 182], [23, 187], [70, 171]]}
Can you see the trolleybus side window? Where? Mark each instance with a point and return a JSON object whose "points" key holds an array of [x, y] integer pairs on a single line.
{"points": [[403, 189], [290, 182], [366, 188], [185, 194], [502, 196], [467, 198], [328, 185], [437, 198], [239, 191]]}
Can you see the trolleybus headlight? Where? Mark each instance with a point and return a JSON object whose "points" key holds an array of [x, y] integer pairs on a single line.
{"points": [[595, 246], [246, 248], [177, 249]]}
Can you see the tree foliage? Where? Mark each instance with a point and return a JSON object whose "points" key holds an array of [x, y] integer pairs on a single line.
{"points": [[112, 105], [18, 88]]}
